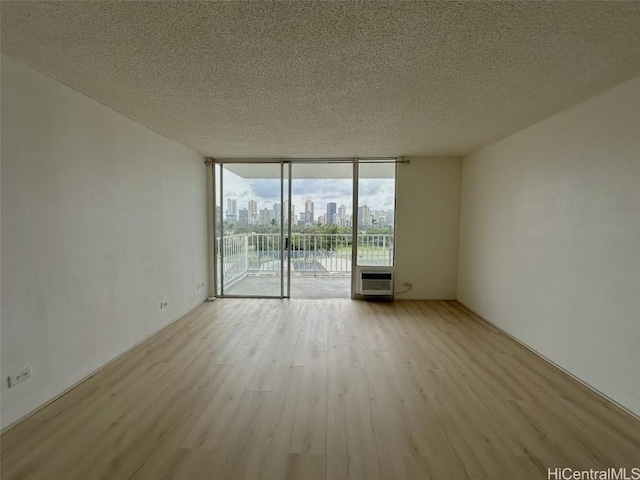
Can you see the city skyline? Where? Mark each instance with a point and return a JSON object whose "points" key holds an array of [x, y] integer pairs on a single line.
{"points": [[377, 193], [256, 214]]}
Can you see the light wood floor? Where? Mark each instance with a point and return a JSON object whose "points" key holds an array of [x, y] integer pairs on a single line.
{"points": [[323, 389]]}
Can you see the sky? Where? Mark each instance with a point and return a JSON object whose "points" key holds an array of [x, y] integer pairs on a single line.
{"points": [[377, 194]]}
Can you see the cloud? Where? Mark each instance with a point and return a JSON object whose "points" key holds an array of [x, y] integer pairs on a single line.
{"points": [[266, 190], [322, 188], [378, 194], [374, 187]]}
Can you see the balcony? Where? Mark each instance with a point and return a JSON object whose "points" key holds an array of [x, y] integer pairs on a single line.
{"points": [[320, 263]]}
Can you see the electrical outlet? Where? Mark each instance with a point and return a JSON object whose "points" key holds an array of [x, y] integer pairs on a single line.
{"points": [[164, 303], [21, 376]]}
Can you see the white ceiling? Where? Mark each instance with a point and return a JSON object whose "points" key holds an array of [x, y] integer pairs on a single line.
{"points": [[330, 78]]}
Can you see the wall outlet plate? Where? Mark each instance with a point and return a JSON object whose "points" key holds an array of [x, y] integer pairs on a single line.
{"points": [[21, 376], [164, 303]]}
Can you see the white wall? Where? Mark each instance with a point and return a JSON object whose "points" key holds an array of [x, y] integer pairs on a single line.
{"points": [[550, 239], [427, 227], [100, 218]]}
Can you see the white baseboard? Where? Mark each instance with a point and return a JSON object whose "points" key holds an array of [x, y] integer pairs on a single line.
{"points": [[86, 377], [565, 371]]}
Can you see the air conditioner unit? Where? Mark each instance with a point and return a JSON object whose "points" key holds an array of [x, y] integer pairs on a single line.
{"points": [[376, 283]]}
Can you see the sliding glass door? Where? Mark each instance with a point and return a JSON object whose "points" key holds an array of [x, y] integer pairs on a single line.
{"points": [[322, 229], [250, 240]]}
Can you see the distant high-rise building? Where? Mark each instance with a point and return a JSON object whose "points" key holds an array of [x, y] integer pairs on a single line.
{"points": [[342, 213], [380, 217], [232, 210], [331, 211], [243, 216], [276, 212], [389, 217], [253, 212], [308, 212], [364, 216], [265, 216]]}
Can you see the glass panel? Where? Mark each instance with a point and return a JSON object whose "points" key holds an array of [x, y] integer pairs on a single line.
{"points": [[321, 235], [376, 211], [251, 245]]}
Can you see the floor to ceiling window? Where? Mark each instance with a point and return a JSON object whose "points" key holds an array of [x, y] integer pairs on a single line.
{"points": [[321, 229], [250, 243], [285, 228]]}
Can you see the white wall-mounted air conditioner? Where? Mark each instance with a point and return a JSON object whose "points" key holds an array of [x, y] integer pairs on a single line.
{"points": [[374, 283]]}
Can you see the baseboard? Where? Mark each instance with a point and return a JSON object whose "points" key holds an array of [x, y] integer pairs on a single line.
{"points": [[87, 377], [562, 369]]}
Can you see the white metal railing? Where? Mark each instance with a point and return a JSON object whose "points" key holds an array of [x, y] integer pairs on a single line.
{"points": [[234, 250], [311, 253]]}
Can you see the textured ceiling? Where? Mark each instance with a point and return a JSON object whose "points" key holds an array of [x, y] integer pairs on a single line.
{"points": [[330, 78]]}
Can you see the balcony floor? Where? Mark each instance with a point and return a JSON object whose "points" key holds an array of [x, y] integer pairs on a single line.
{"points": [[322, 286]]}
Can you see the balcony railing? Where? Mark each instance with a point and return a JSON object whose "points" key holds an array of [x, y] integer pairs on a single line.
{"points": [[311, 254]]}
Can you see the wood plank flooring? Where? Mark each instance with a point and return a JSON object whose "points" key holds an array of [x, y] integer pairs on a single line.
{"points": [[323, 389]]}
